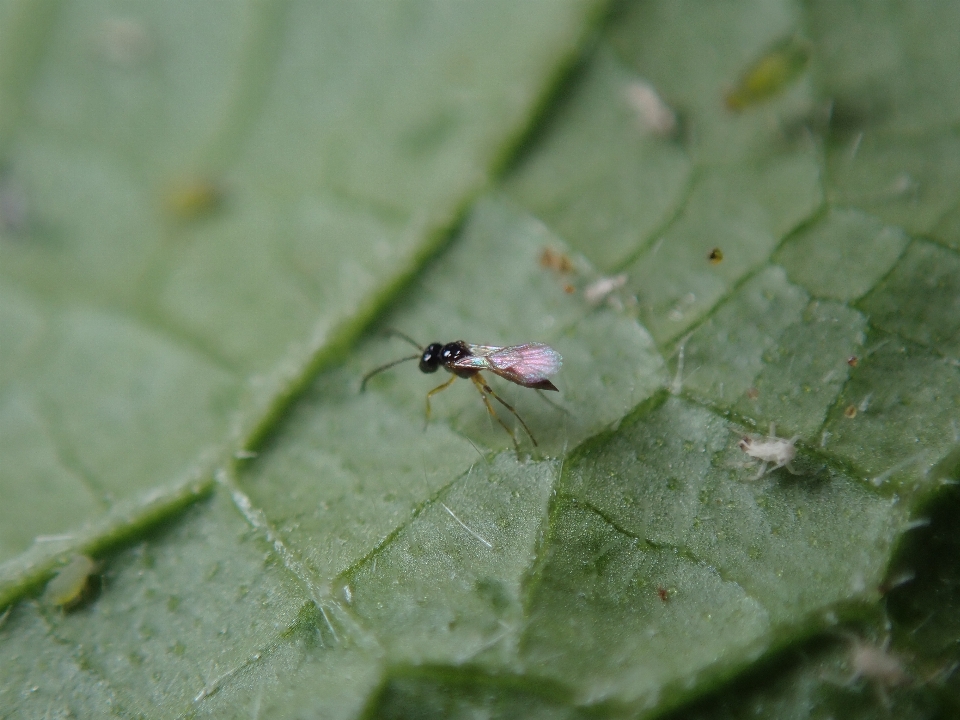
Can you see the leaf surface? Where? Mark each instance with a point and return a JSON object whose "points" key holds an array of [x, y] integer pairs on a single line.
{"points": [[355, 561], [200, 204]]}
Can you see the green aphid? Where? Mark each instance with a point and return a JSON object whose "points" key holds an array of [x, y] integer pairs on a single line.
{"points": [[71, 585], [193, 199], [770, 74]]}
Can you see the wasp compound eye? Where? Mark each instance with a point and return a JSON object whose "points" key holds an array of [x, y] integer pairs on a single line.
{"points": [[430, 360]]}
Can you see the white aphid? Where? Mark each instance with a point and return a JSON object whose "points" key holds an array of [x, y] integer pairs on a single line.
{"points": [[598, 291], [874, 664], [877, 665], [653, 112], [71, 585], [770, 449]]}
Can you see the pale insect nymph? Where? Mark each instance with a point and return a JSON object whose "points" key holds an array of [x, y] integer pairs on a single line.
{"points": [[528, 365], [770, 449], [876, 665], [71, 585]]}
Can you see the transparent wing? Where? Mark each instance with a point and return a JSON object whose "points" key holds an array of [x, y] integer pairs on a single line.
{"points": [[528, 365], [485, 351], [478, 359]]}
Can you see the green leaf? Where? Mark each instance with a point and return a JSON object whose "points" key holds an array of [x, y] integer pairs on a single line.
{"points": [[828, 260], [598, 178], [744, 565], [184, 363], [145, 326]]}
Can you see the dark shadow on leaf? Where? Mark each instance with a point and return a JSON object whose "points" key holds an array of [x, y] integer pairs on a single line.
{"points": [[441, 692]]}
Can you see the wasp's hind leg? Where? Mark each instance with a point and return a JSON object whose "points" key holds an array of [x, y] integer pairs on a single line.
{"points": [[485, 390], [481, 387]]}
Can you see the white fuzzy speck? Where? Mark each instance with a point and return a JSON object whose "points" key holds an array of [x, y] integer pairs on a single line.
{"points": [[598, 290], [652, 111], [770, 449]]}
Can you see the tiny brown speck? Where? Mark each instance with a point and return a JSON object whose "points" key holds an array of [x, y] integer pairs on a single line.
{"points": [[853, 360], [753, 393], [715, 256], [569, 289], [551, 259], [664, 595], [850, 412]]}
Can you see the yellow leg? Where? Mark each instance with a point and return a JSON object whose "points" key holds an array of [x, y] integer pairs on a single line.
{"points": [[485, 390], [433, 392]]}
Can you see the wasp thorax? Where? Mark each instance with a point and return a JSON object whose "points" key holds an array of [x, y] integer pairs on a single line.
{"points": [[452, 352]]}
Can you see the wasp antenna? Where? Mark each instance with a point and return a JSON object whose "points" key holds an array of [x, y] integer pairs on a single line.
{"points": [[404, 336], [363, 383]]}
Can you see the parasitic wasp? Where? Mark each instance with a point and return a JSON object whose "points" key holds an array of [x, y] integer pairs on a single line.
{"points": [[528, 365]]}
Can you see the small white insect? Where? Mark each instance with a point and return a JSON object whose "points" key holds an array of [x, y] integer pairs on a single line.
{"points": [[653, 112], [770, 449], [71, 585], [599, 290], [877, 665]]}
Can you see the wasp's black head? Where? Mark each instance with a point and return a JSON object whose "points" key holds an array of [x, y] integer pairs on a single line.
{"points": [[430, 360]]}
